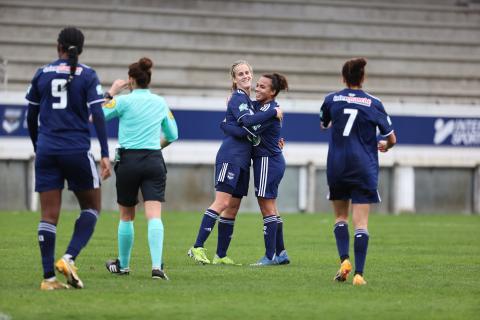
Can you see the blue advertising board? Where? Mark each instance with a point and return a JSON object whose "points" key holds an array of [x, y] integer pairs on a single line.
{"points": [[297, 127]]}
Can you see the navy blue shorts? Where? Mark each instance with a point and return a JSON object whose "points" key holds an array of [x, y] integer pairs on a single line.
{"points": [[79, 169], [231, 179], [357, 194], [268, 172]]}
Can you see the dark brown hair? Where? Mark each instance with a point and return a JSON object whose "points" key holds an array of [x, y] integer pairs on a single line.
{"points": [[353, 72], [141, 71], [279, 82]]}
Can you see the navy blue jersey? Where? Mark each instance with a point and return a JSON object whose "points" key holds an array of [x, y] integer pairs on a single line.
{"points": [[64, 112], [235, 150], [352, 154], [269, 132]]}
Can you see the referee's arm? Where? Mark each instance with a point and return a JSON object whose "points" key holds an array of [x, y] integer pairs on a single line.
{"points": [[169, 129]]}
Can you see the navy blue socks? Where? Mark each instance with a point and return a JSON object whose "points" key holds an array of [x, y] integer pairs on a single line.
{"points": [[208, 222], [360, 245], [343, 239], [269, 235], [83, 231], [280, 245], [225, 232], [46, 240]]}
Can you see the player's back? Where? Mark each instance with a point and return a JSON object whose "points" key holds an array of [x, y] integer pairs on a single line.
{"points": [[64, 109], [352, 154], [236, 150]]}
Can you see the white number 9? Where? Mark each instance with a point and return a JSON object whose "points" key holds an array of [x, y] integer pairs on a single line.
{"points": [[58, 92]]}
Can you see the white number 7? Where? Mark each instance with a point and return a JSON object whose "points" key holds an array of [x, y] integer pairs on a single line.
{"points": [[351, 118], [58, 92]]}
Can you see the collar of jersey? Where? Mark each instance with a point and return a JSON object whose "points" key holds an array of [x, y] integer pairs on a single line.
{"points": [[141, 91]]}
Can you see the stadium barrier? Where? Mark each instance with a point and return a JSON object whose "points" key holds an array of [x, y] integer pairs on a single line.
{"points": [[437, 157]]}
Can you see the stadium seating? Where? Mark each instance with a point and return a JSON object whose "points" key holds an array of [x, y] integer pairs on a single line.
{"points": [[422, 51]]}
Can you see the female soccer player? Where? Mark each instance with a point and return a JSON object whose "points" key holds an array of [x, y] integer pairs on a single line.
{"points": [[268, 166], [64, 93], [143, 117], [352, 163], [232, 166]]}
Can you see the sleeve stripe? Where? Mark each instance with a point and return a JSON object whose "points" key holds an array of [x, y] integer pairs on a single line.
{"points": [[249, 131], [34, 103], [386, 135], [238, 120], [95, 101]]}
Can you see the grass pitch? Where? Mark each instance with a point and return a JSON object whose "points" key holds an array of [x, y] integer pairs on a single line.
{"points": [[418, 267]]}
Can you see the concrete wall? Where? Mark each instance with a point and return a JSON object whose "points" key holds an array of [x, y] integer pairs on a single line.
{"points": [[191, 188], [13, 185], [444, 190]]}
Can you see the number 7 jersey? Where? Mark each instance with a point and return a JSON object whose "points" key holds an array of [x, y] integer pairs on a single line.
{"points": [[354, 116], [64, 126]]}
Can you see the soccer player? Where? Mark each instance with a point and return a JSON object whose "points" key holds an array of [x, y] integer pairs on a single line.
{"points": [[143, 117], [268, 166], [352, 163], [62, 95], [232, 167]]}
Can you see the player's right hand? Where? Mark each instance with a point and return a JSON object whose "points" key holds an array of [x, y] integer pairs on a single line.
{"points": [[105, 168], [382, 146]]}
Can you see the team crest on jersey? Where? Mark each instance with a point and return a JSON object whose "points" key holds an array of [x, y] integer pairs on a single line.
{"points": [[11, 120], [243, 107], [110, 105]]}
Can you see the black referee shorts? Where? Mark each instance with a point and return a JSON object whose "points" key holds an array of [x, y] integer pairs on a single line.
{"points": [[140, 169]]}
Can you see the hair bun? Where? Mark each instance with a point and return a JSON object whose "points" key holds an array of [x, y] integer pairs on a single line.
{"points": [[361, 62], [145, 64]]}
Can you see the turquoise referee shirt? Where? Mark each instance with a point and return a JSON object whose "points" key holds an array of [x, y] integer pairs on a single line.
{"points": [[144, 117]]}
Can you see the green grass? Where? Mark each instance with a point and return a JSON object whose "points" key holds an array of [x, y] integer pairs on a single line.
{"points": [[418, 267]]}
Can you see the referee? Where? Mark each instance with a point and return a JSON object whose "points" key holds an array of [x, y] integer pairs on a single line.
{"points": [[143, 118]]}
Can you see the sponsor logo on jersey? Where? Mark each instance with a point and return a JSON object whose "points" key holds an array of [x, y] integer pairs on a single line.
{"points": [[357, 100], [63, 69], [11, 120], [254, 140], [462, 131], [110, 105]]}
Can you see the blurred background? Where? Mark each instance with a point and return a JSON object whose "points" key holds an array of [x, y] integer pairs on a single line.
{"points": [[423, 63]]}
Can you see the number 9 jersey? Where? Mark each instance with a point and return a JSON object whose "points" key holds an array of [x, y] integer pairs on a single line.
{"points": [[64, 110], [352, 153]]}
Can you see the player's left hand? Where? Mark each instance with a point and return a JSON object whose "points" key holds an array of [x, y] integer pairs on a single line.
{"points": [[105, 168]]}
